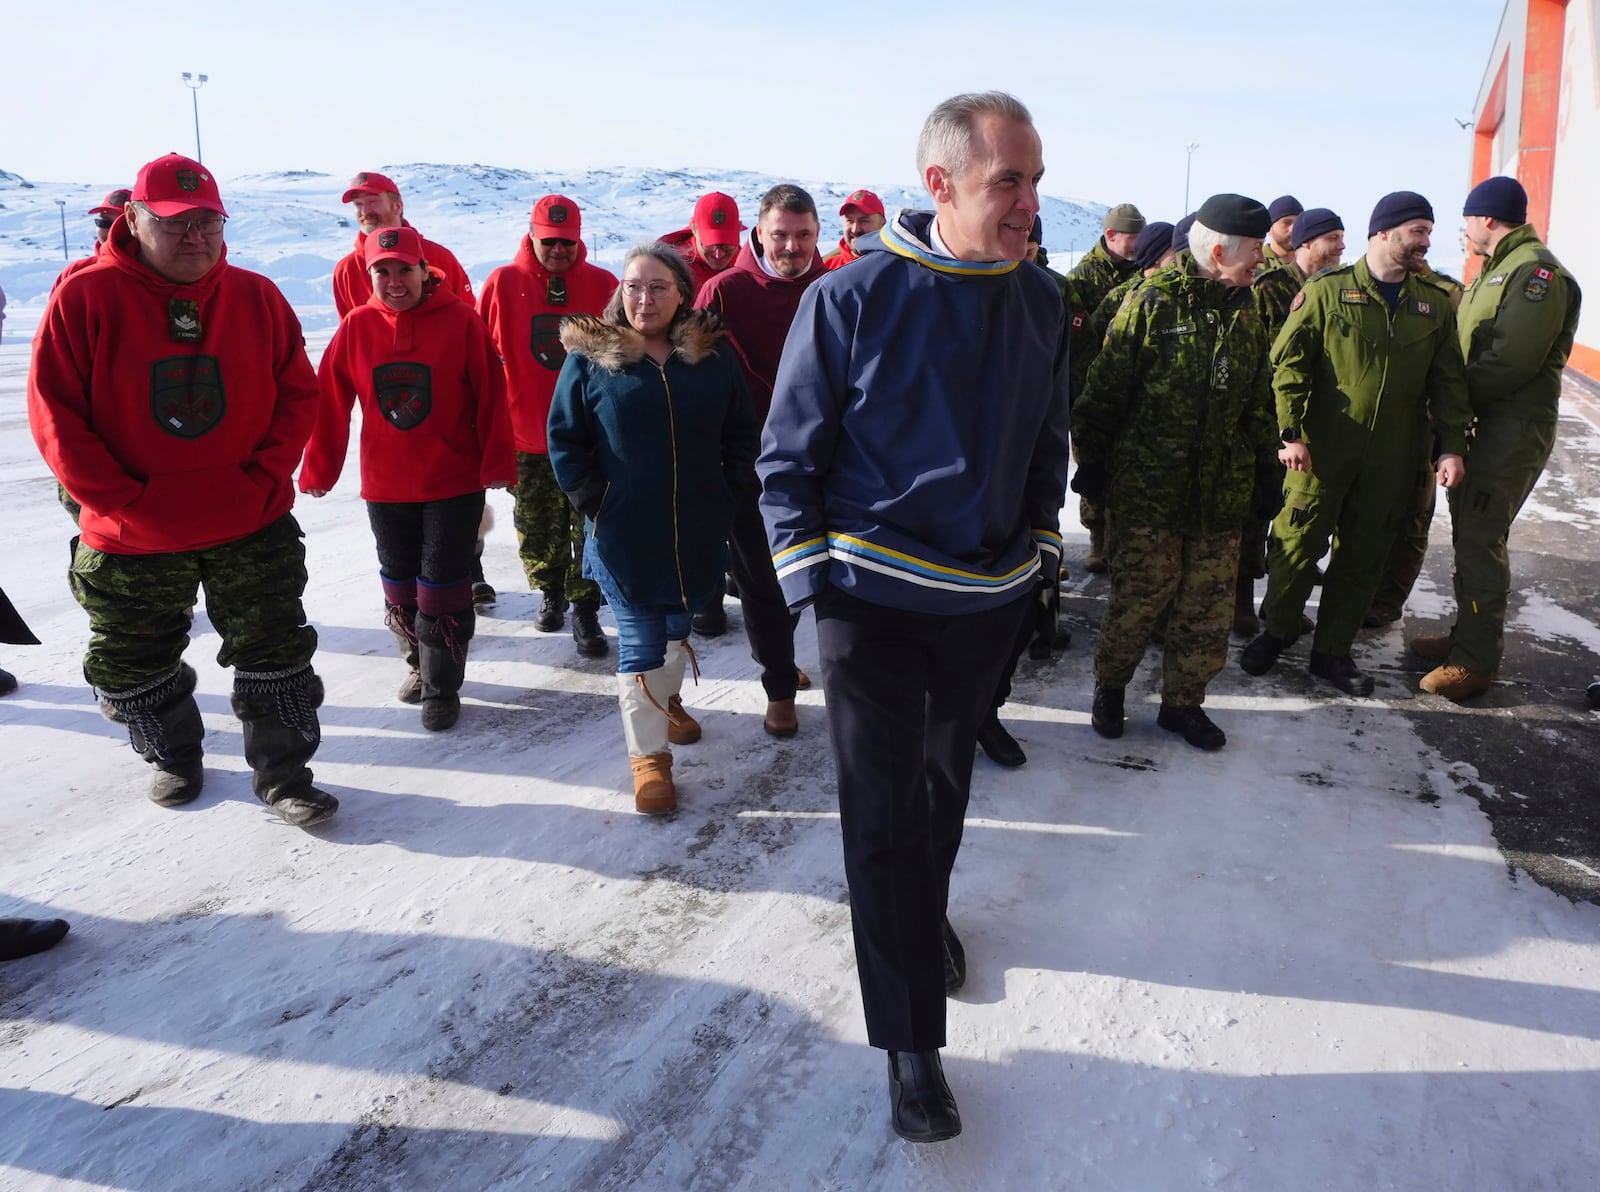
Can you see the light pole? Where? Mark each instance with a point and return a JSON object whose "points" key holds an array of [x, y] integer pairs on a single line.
{"points": [[1188, 169], [62, 204], [194, 82]]}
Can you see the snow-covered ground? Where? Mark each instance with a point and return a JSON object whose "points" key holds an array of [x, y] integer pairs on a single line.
{"points": [[1300, 963]]}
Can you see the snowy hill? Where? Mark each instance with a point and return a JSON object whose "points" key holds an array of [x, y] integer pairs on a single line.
{"points": [[290, 225]]}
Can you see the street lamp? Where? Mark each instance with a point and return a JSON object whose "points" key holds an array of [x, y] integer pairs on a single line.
{"points": [[62, 204], [1188, 169], [194, 82]]}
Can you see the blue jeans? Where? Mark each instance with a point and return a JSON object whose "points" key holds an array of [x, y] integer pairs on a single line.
{"points": [[643, 631]]}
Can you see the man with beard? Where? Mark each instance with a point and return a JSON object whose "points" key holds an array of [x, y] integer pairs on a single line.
{"points": [[862, 213], [1368, 353], [711, 241], [756, 301], [171, 394], [377, 204], [1518, 320], [523, 303], [914, 467]]}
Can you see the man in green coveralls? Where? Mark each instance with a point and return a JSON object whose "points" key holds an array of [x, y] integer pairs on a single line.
{"points": [[1516, 324], [1369, 351]]}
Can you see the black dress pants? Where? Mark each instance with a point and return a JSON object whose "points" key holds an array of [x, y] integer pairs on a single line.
{"points": [[906, 693], [768, 623]]}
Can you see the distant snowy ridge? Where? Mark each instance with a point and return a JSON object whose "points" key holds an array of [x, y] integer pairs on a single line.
{"points": [[290, 225]]}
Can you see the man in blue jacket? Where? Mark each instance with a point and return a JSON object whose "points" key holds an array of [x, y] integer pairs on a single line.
{"points": [[913, 468]]}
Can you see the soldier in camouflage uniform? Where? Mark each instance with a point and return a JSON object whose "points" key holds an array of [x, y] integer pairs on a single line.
{"points": [[1100, 270], [1316, 241], [1368, 353], [1172, 431], [171, 394], [1517, 324]]}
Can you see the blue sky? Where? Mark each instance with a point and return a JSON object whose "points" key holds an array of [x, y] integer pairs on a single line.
{"points": [[1335, 103]]}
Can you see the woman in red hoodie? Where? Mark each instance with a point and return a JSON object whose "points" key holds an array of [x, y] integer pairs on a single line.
{"points": [[435, 433]]}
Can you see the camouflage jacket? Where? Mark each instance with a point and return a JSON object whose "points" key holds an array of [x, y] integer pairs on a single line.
{"points": [[1517, 323], [1178, 404], [1360, 382]]}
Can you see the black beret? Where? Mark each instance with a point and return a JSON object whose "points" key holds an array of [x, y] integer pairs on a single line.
{"points": [[1234, 215]]}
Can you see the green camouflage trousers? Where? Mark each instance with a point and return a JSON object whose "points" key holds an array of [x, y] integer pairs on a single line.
{"points": [[549, 533], [1149, 570], [136, 605], [1505, 462]]}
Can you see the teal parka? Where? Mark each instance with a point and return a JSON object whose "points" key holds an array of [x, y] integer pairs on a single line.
{"points": [[1357, 381], [1517, 321], [1177, 406]]}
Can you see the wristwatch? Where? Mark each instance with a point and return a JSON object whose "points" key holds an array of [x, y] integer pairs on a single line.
{"points": [[1290, 434]]}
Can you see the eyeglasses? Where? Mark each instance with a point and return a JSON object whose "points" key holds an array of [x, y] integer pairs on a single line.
{"points": [[555, 242], [171, 225], [656, 289]]}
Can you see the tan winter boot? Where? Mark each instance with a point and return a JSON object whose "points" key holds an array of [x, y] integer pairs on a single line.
{"points": [[645, 726], [682, 728]]}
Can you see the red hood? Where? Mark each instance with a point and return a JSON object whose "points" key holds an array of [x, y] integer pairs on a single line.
{"points": [[750, 263], [122, 250]]}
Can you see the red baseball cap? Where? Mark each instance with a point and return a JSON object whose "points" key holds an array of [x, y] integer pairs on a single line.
{"points": [[114, 203], [716, 219], [556, 217], [174, 184], [369, 183], [863, 201], [393, 244]]}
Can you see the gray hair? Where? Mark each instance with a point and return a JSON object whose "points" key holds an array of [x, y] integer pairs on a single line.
{"points": [[656, 250], [1202, 239], [946, 139]]}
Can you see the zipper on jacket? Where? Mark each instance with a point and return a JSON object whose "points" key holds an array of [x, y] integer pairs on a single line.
{"points": [[672, 428]]}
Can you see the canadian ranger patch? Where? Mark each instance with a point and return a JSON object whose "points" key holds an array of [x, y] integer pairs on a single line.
{"points": [[404, 392], [186, 395], [546, 341]]}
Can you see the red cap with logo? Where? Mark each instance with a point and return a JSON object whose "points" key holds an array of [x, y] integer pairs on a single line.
{"points": [[716, 219], [114, 203], [863, 201], [369, 183], [174, 184], [393, 244], [556, 217]]}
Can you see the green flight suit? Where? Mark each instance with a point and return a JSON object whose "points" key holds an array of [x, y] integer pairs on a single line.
{"points": [[1359, 383], [1177, 411], [1517, 323], [1096, 275]]}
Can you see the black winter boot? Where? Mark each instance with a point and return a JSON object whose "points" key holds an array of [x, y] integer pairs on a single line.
{"points": [[586, 632], [402, 622], [164, 728], [442, 649], [278, 710]]}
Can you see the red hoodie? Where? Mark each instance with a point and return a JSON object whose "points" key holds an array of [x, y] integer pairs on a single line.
{"points": [[526, 328], [683, 241], [433, 403], [838, 260], [352, 284], [170, 445], [757, 309]]}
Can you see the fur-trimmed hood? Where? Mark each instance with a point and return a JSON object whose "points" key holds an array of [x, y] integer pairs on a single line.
{"points": [[615, 348]]}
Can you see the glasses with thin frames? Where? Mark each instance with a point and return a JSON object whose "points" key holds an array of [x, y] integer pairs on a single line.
{"points": [[657, 290], [171, 225]]}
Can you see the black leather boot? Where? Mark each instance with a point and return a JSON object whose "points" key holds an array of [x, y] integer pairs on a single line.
{"points": [[278, 712], [442, 651], [921, 1106], [164, 728]]}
